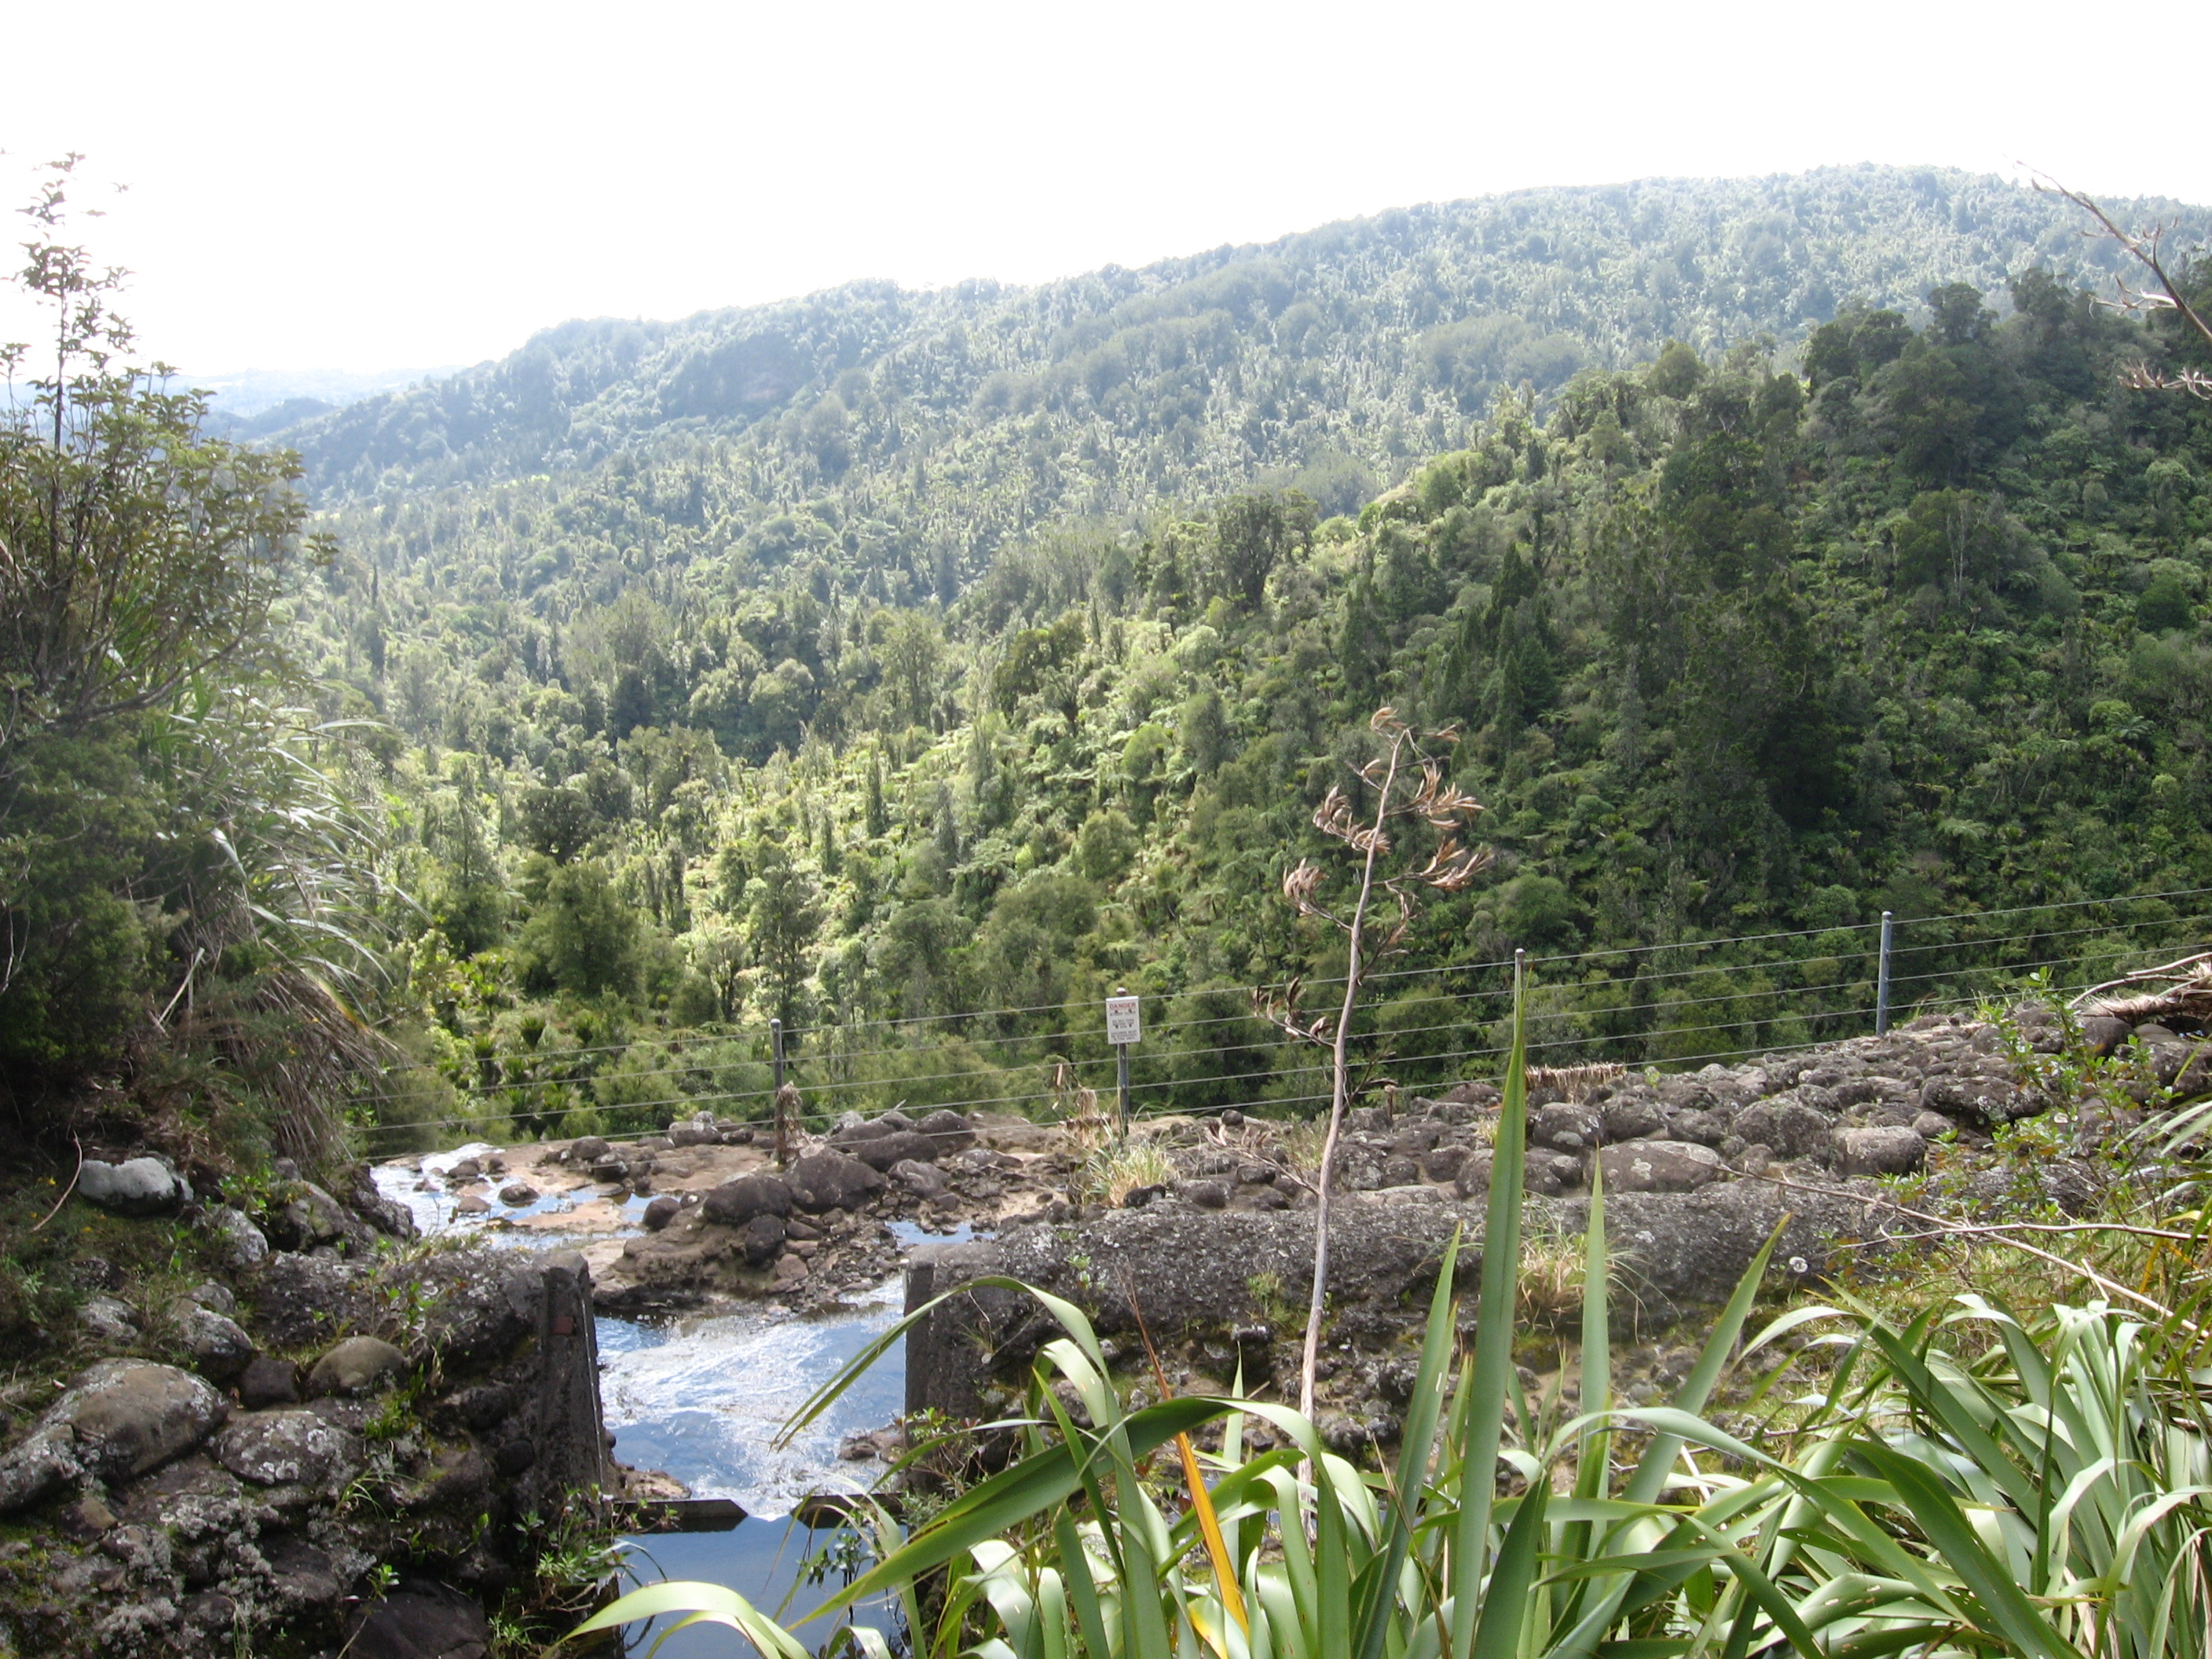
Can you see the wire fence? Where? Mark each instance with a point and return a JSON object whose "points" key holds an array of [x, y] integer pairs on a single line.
{"points": [[1671, 1005]]}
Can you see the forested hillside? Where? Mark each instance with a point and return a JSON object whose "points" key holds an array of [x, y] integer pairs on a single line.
{"points": [[902, 438], [1733, 649]]}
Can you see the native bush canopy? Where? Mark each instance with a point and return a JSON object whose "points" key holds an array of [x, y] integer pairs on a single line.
{"points": [[180, 853], [1735, 647]]}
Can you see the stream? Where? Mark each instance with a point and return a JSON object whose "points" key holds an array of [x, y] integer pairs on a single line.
{"points": [[702, 1397]]}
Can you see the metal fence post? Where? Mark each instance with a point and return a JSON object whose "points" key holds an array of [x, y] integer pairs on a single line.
{"points": [[1881, 978]]}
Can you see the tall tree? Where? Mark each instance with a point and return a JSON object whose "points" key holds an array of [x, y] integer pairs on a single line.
{"points": [[783, 916]]}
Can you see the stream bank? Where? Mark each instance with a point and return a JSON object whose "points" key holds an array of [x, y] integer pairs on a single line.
{"points": [[283, 1411]]}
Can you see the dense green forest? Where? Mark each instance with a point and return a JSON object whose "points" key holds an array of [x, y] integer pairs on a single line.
{"points": [[949, 684], [1734, 649], [872, 437]]}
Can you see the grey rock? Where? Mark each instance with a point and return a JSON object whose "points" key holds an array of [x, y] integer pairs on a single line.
{"points": [[519, 1194], [2070, 1183], [389, 1215], [1442, 1162], [302, 1577], [423, 1621], [925, 1181], [1206, 1194], [2104, 1034], [763, 1240], [1564, 1128], [267, 1382], [1978, 1099], [734, 1203], [830, 1181], [360, 1364], [662, 1211], [38, 1466], [2168, 1059], [587, 1150], [243, 1243], [117, 1421], [1879, 1151], [1930, 1126], [1631, 1117], [220, 1349], [948, 1131], [1658, 1166], [107, 1320], [900, 1146], [1549, 1175], [1472, 1182], [312, 1217], [1680, 1252], [1788, 1125], [214, 1296], [139, 1186], [1706, 1128], [288, 1447]]}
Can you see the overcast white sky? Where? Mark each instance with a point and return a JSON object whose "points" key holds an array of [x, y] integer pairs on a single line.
{"points": [[342, 185]]}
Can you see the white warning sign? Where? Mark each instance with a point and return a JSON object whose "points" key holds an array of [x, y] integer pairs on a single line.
{"points": [[1123, 1025]]}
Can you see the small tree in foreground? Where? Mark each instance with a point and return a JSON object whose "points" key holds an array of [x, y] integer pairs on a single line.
{"points": [[1410, 788]]}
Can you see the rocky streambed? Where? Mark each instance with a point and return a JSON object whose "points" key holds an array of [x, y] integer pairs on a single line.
{"points": [[361, 1439]]}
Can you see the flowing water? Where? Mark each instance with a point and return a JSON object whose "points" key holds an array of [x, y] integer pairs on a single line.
{"points": [[703, 1397]]}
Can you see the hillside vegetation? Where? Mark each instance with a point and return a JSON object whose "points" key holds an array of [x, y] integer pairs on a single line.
{"points": [[1734, 649], [877, 435]]}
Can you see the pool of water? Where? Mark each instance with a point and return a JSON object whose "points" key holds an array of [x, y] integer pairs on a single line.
{"points": [[436, 1206], [705, 1397]]}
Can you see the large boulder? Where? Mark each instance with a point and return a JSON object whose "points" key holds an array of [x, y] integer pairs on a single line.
{"points": [[139, 1186], [289, 1447], [1879, 1151], [220, 1349], [117, 1421], [763, 1240], [310, 1216], [948, 1131], [1785, 1126], [267, 1382], [423, 1621], [1563, 1127], [1978, 1099], [360, 1364], [879, 1152], [387, 1215], [243, 1244], [927, 1183], [1632, 1116], [734, 1203], [1658, 1166], [831, 1181]]}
